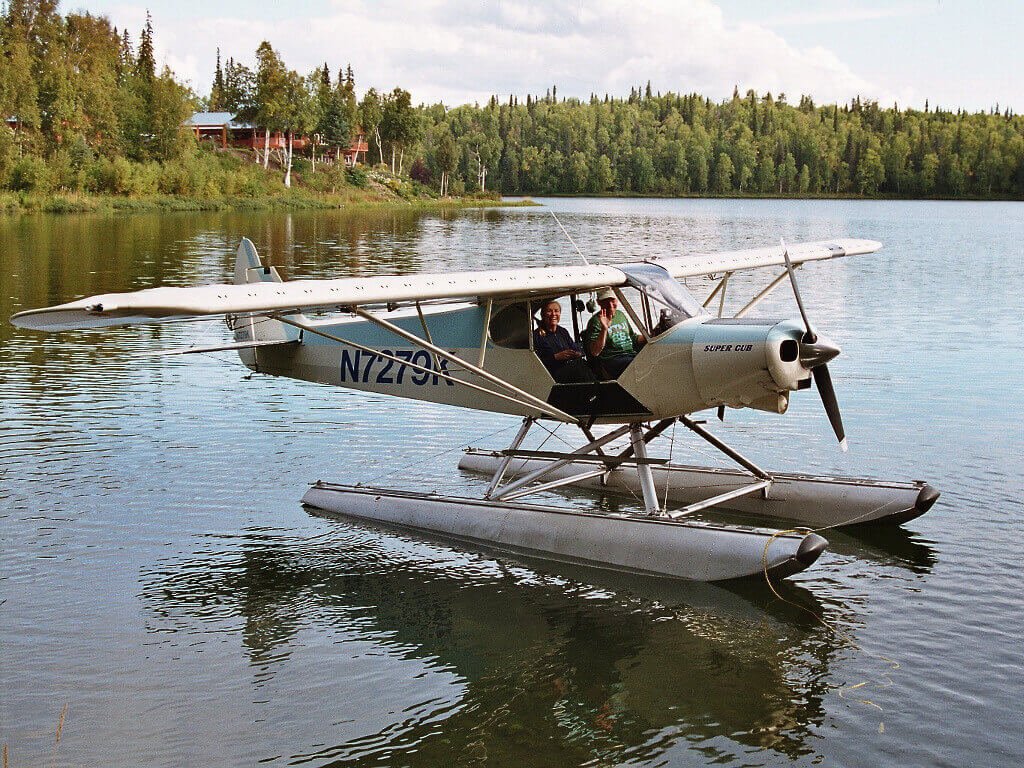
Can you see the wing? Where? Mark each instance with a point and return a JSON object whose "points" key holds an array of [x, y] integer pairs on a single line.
{"points": [[166, 304], [696, 264], [156, 305]]}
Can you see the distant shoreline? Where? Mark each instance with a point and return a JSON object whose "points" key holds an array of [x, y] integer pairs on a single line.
{"points": [[761, 196]]}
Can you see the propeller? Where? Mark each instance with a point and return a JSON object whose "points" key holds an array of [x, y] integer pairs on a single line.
{"points": [[814, 355]]}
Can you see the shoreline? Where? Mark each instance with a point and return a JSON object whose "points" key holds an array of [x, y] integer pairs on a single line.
{"points": [[13, 204], [759, 196], [18, 205]]}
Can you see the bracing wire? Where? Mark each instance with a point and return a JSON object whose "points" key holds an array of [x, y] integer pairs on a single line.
{"points": [[570, 238]]}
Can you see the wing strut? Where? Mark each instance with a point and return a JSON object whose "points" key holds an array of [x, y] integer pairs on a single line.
{"points": [[764, 292]]}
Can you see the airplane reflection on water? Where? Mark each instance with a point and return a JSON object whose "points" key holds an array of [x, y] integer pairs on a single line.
{"points": [[601, 665]]}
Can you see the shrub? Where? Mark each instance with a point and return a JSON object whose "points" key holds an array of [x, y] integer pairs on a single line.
{"points": [[146, 179], [420, 172], [488, 195], [9, 202], [121, 172], [358, 177], [79, 153], [29, 175], [62, 173], [249, 181], [184, 177], [99, 176], [8, 154]]}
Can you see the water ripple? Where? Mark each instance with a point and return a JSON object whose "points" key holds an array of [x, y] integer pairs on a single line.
{"points": [[159, 576]]}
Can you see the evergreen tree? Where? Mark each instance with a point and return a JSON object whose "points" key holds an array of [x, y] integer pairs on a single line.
{"points": [[216, 102], [334, 125], [239, 84], [126, 60], [145, 65]]}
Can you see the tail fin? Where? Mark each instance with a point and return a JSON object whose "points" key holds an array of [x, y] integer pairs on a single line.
{"points": [[249, 269]]}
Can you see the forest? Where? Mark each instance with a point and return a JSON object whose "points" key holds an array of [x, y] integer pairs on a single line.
{"points": [[89, 111]]}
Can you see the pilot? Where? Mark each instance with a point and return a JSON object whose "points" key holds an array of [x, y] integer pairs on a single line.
{"points": [[609, 337], [562, 356]]}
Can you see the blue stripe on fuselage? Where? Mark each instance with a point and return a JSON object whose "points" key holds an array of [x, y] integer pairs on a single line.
{"points": [[454, 329]]}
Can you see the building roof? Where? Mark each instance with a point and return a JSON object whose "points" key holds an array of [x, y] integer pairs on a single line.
{"points": [[215, 120]]}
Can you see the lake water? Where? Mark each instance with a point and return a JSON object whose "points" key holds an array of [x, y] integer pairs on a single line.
{"points": [[165, 599]]}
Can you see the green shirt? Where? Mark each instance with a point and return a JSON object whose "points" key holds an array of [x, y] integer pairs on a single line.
{"points": [[621, 338]]}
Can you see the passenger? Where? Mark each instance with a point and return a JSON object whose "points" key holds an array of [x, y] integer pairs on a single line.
{"points": [[609, 337], [562, 356]]}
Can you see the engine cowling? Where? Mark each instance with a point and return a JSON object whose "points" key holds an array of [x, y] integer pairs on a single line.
{"points": [[755, 363], [739, 363], [736, 362]]}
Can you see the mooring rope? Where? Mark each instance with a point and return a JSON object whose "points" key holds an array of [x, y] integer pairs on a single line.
{"points": [[846, 638]]}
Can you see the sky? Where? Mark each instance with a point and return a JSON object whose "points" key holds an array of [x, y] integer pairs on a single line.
{"points": [[954, 53]]}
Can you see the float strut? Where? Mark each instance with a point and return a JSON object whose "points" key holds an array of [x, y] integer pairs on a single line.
{"points": [[566, 459], [643, 469], [499, 473], [732, 453]]}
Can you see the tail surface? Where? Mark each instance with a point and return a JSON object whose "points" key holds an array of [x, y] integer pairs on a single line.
{"points": [[249, 269]]}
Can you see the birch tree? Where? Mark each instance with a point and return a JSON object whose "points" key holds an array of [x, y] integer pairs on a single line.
{"points": [[270, 95], [299, 115], [370, 114]]}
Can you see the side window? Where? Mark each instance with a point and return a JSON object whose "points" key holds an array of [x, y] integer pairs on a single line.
{"points": [[511, 326]]}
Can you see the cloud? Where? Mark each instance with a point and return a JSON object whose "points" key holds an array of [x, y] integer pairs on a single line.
{"points": [[460, 51]]}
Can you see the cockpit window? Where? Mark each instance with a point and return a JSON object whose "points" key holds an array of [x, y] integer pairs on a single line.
{"points": [[511, 326], [672, 303]]}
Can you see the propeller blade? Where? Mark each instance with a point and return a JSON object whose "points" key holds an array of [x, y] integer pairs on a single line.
{"points": [[811, 335], [815, 356], [823, 381], [721, 413]]}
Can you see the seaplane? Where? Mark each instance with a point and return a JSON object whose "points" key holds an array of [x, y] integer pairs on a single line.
{"points": [[469, 339]]}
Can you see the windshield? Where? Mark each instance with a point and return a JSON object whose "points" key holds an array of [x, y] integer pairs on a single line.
{"points": [[672, 303]]}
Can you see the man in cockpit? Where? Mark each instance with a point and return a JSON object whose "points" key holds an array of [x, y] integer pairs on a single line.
{"points": [[609, 337], [562, 356]]}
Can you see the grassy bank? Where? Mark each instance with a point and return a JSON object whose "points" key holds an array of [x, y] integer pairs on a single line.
{"points": [[210, 180], [21, 203]]}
